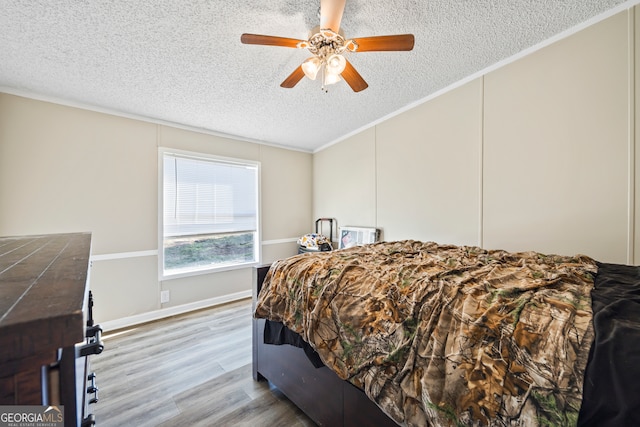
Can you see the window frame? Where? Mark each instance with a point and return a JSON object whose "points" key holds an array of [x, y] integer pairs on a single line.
{"points": [[162, 274]]}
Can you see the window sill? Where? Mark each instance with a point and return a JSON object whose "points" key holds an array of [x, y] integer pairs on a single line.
{"points": [[206, 270]]}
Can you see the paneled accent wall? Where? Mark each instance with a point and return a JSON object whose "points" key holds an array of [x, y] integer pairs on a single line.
{"points": [[536, 155], [345, 181], [556, 146], [435, 189]]}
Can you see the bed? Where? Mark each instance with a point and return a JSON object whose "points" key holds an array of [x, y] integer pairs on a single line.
{"points": [[421, 334]]}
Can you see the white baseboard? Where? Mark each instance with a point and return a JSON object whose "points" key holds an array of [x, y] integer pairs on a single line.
{"points": [[129, 321]]}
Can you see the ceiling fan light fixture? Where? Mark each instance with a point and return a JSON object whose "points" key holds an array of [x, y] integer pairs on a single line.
{"points": [[311, 66], [336, 64], [330, 78], [327, 44]]}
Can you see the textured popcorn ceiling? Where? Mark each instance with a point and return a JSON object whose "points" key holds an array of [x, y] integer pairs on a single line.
{"points": [[182, 62]]}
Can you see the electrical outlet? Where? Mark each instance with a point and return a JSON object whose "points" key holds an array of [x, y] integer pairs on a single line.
{"points": [[164, 296]]}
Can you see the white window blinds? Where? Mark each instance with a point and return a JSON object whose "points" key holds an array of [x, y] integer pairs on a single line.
{"points": [[208, 196]]}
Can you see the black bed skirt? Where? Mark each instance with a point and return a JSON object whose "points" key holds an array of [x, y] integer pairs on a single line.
{"points": [[277, 333]]}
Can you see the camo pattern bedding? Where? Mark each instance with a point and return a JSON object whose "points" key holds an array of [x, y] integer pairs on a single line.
{"points": [[441, 335]]}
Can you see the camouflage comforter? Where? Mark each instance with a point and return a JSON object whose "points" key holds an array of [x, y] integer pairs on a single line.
{"points": [[445, 335]]}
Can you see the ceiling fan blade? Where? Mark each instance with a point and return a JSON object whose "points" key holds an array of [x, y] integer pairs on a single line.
{"points": [[331, 14], [269, 40], [385, 43], [353, 78], [293, 78]]}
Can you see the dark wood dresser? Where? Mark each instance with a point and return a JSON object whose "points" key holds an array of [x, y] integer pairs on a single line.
{"points": [[46, 324]]}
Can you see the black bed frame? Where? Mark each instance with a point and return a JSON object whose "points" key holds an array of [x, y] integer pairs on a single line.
{"points": [[319, 392]]}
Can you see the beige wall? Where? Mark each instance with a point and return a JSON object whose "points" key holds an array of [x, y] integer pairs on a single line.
{"points": [[345, 182], [634, 152], [556, 140], [433, 192], [516, 159], [65, 169]]}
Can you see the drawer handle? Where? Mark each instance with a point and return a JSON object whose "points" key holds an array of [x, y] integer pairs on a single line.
{"points": [[94, 344], [92, 331], [89, 421], [92, 388]]}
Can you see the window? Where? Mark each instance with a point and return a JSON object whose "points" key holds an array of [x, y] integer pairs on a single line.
{"points": [[209, 213]]}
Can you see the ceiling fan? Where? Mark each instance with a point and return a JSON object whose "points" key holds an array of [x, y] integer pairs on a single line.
{"points": [[328, 44]]}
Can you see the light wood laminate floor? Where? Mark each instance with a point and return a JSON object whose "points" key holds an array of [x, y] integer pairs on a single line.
{"points": [[188, 370]]}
